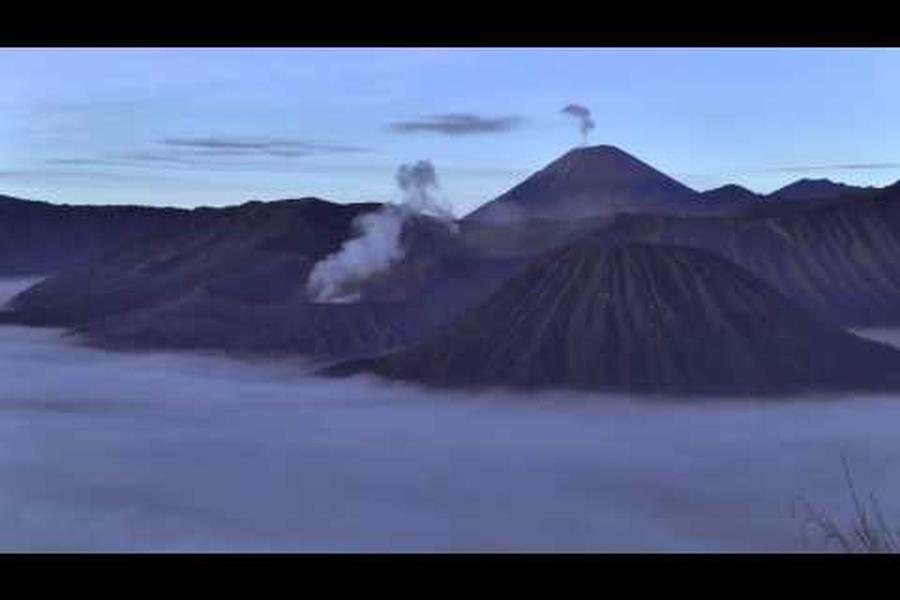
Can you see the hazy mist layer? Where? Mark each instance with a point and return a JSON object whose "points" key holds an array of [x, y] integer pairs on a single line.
{"points": [[103, 451]]}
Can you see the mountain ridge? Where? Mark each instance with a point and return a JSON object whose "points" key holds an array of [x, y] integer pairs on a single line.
{"points": [[639, 318], [807, 188]]}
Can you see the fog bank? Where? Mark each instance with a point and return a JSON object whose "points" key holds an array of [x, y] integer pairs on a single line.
{"points": [[104, 451]]}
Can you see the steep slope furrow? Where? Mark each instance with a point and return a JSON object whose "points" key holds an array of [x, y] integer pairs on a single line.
{"points": [[643, 318]]}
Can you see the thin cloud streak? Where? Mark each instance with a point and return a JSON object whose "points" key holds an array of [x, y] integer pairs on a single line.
{"points": [[94, 177], [178, 163], [214, 153], [840, 167], [456, 124], [261, 145]]}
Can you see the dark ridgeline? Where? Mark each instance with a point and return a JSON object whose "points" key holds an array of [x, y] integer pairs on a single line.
{"points": [[731, 198], [640, 318], [255, 251], [812, 189], [622, 278], [39, 238], [837, 257], [806, 194]]}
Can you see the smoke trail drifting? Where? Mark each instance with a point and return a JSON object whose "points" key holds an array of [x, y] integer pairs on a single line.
{"points": [[583, 114], [377, 245]]}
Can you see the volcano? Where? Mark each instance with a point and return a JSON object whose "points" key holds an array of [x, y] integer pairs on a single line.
{"points": [[587, 182], [640, 318], [234, 279]]}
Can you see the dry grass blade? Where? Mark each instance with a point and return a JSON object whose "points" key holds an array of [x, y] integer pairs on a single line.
{"points": [[867, 532]]}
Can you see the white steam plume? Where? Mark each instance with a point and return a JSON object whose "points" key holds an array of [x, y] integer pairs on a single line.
{"points": [[583, 114], [377, 245], [375, 248]]}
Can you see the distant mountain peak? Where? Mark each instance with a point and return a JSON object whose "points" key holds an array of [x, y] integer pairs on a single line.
{"points": [[597, 151], [732, 190], [606, 161], [730, 198], [809, 188], [590, 181], [732, 187]]}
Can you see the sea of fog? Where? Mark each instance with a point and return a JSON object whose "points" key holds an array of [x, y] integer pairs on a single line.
{"points": [[169, 452]]}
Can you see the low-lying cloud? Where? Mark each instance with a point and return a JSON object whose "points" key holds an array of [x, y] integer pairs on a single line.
{"points": [[123, 452], [458, 124]]}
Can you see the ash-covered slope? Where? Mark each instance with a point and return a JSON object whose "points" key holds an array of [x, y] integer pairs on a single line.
{"points": [[589, 182], [841, 259], [203, 320], [527, 237], [395, 309], [256, 251], [640, 318], [235, 279], [39, 238]]}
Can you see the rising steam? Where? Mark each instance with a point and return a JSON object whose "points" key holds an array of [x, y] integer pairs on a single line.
{"points": [[420, 187], [583, 114], [377, 243]]}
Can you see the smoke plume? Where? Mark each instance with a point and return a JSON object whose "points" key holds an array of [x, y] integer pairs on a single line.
{"points": [[583, 114], [419, 184], [377, 244]]}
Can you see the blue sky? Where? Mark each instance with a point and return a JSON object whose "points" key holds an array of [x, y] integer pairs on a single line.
{"points": [[188, 127]]}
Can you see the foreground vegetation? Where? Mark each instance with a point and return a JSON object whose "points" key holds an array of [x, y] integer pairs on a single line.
{"points": [[866, 532]]}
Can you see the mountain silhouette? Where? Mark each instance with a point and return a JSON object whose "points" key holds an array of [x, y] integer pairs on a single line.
{"points": [[39, 238], [587, 182], [810, 189], [640, 318], [837, 257], [730, 198]]}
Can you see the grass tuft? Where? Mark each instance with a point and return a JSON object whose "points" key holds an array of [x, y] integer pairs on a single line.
{"points": [[867, 532]]}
